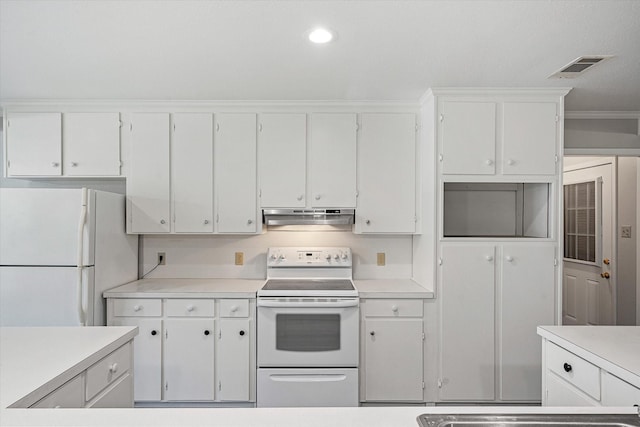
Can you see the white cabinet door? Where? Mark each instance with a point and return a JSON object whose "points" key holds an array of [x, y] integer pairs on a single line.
{"points": [[148, 180], [467, 137], [561, 393], [393, 359], [189, 359], [235, 173], [616, 392], [34, 144], [530, 142], [233, 363], [147, 356], [282, 160], [386, 174], [527, 300], [333, 160], [467, 356], [91, 144], [192, 177]]}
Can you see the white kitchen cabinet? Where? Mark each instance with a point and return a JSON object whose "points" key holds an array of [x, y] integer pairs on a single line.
{"points": [[392, 349], [192, 172], [69, 395], [282, 160], [386, 172], [467, 322], [332, 160], [468, 135], [617, 392], [148, 179], [34, 144], [189, 359], [91, 144], [493, 296], [147, 350], [235, 173], [234, 359]]}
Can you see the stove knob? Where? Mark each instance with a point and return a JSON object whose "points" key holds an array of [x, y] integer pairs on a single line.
{"points": [[345, 256], [273, 257], [328, 257], [281, 257], [337, 257]]}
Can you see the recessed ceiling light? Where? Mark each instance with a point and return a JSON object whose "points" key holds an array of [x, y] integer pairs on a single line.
{"points": [[320, 35]]}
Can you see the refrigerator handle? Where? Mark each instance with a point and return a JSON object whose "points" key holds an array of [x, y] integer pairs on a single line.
{"points": [[79, 264]]}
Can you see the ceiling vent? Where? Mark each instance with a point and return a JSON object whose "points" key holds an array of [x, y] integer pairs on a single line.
{"points": [[579, 66]]}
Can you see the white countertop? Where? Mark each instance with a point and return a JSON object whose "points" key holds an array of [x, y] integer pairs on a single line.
{"points": [[616, 349], [36, 360], [392, 288], [271, 417], [187, 288]]}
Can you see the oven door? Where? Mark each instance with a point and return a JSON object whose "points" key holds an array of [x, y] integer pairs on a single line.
{"points": [[307, 332]]}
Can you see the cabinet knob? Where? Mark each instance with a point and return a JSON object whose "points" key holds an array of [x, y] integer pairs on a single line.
{"points": [[113, 368], [55, 164], [509, 258], [206, 221], [511, 162], [394, 308], [241, 333], [368, 222], [190, 307], [234, 308], [154, 332], [207, 332], [489, 258], [137, 307], [250, 221], [489, 162], [372, 333], [162, 221], [300, 197], [318, 196], [74, 164], [567, 367]]}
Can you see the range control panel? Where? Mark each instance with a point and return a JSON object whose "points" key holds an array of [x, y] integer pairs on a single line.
{"points": [[311, 257]]}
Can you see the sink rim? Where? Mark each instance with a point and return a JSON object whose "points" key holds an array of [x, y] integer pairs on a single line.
{"points": [[613, 420]]}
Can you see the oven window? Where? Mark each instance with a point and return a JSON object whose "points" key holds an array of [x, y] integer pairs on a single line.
{"points": [[308, 332]]}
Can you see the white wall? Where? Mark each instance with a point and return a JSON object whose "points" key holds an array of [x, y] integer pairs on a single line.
{"points": [[214, 256], [627, 258]]}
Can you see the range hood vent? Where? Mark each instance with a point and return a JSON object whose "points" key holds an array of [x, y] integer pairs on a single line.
{"points": [[578, 66], [308, 216]]}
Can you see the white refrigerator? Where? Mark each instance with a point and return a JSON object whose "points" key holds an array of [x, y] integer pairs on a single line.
{"points": [[59, 250]]}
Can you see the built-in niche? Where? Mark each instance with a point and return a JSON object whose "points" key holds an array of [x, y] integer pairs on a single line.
{"points": [[496, 210]]}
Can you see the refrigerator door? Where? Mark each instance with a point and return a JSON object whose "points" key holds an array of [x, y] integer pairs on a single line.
{"points": [[44, 296], [39, 227]]}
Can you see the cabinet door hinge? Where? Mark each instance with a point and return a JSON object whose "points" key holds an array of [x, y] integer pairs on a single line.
{"points": [[260, 192], [220, 334], [357, 193], [8, 123], [219, 385], [166, 385], [357, 127], [440, 157], [260, 127], [217, 218], [415, 219], [423, 337], [8, 163], [174, 127], [130, 127], [120, 123], [555, 262], [439, 261], [556, 158], [439, 383], [166, 333], [441, 117], [217, 127], [557, 118], [423, 385], [417, 127], [120, 163]]}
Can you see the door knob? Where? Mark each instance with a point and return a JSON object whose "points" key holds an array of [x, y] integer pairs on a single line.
{"points": [[605, 275], [607, 261]]}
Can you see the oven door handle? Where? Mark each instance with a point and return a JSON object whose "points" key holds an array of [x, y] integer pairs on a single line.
{"points": [[313, 378], [310, 304]]}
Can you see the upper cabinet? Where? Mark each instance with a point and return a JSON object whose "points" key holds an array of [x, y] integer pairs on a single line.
{"points": [[282, 160], [68, 145], [235, 173], [386, 173], [498, 133], [332, 160]]}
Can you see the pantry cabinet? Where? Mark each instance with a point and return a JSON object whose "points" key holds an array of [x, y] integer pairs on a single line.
{"points": [[148, 191], [190, 349], [282, 158], [192, 172], [235, 171], [504, 291], [392, 350], [386, 171], [34, 144]]}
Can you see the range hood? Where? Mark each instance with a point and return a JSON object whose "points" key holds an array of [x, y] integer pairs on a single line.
{"points": [[308, 216]]}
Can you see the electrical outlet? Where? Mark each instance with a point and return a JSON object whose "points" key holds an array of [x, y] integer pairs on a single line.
{"points": [[625, 231], [162, 258], [381, 259], [239, 258]]}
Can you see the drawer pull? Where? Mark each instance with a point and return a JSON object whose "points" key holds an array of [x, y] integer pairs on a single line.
{"points": [[190, 307], [113, 368], [242, 333], [234, 308], [207, 332], [154, 332], [394, 308], [372, 333], [137, 307], [567, 367]]}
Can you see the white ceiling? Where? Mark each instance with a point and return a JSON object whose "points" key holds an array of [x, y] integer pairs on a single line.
{"points": [[256, 50]]}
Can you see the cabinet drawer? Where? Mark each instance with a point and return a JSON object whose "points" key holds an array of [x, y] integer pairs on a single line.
{"points": [[574, 370], [68, 395], [234, 308], [119, 395], [189, 307], [107, 370], [393, 308], [617, 392], [137, 307]]}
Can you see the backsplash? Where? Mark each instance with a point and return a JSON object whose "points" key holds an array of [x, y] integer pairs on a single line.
{"points": [[214, 256]]}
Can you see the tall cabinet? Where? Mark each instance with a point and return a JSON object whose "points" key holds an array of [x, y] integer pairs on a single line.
{"points": [[497, 233]]}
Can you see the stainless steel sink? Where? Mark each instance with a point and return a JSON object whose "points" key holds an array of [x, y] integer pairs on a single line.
{"points": [[528, 420]]}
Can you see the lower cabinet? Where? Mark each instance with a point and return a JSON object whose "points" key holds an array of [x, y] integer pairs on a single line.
{"points": [[392, 348], [190, 350], [108, 383], [570, 380]]}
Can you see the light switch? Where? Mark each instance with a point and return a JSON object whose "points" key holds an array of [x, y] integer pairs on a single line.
{"points": [[239, 258], [381, 258], [625, 231]]}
